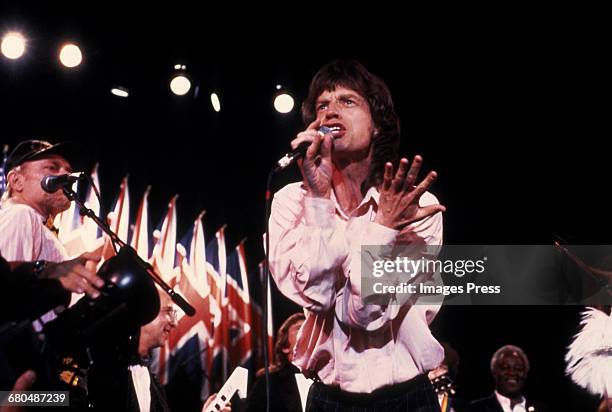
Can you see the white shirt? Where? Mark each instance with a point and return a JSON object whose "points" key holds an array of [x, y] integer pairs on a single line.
{"points": [[505, 404], [24, 236], [315, 259], [142, 386]]}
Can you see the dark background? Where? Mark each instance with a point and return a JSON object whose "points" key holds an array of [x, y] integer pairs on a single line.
{"points": [[511, 117]]}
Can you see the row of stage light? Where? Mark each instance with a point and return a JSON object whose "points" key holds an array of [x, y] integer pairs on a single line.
{"points": [[14, 46]]}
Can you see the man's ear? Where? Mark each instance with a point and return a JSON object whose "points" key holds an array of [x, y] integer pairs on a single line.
{"points": [[15, 180], [286, 350]]}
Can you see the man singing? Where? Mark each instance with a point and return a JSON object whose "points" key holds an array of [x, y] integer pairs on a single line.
{"points": [[355, 192]]}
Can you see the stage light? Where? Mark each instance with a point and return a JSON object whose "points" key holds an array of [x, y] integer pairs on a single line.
{"points": [[120, 91], [180, 82], [13, 45], [180, 85], [70, 55], [283, 103], [216, 104]]}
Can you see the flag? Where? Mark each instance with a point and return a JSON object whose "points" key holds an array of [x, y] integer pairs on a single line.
{"points": [[218, 357], [164, 251], [183, 360], [80, 233], [68, 221], [92, 234], [240, 334], [118, 220], [141, 231], [2, 168], [119, 217]]}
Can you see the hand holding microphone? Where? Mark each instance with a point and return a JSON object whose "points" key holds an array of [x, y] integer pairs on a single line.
{"points": [[316, 163], [298, 151]]}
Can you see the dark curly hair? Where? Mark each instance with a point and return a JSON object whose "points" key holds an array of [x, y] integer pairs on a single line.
{"points": [[282, 339], [353, 75]]}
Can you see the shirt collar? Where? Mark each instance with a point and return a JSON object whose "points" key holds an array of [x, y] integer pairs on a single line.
{"points": [[505, 402], [369, 200]]}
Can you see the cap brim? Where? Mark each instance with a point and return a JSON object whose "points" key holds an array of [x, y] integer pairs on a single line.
{"points": [[70, 151]]}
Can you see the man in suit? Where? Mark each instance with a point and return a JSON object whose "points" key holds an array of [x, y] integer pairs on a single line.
{"points": [[509, 366], [122, 380], [284, 392]]}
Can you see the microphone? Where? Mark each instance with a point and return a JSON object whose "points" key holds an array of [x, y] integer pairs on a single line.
{"points": [[291, 157], [53, 183]]}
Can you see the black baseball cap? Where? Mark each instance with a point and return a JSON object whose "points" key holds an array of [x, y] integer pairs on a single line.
{"points": [[34, 149]]}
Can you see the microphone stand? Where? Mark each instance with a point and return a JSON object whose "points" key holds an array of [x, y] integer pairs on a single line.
{"points": [[84, 210]]}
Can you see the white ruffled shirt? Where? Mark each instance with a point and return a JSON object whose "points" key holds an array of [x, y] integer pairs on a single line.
{"points": [[315, 259]]}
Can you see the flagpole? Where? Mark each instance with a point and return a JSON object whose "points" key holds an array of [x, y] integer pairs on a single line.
{"points": [[176, 298], [266, 281]]}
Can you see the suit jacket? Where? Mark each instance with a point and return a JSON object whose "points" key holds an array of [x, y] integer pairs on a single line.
{"points": [[111, 388], [284, 393], [158, 396], [490, 404]]}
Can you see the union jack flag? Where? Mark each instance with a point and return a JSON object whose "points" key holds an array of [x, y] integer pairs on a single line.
{"points": [[183, 360]]}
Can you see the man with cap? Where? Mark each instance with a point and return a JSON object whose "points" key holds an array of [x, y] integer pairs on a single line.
{"points": [[27, 213], [26, 235]]}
